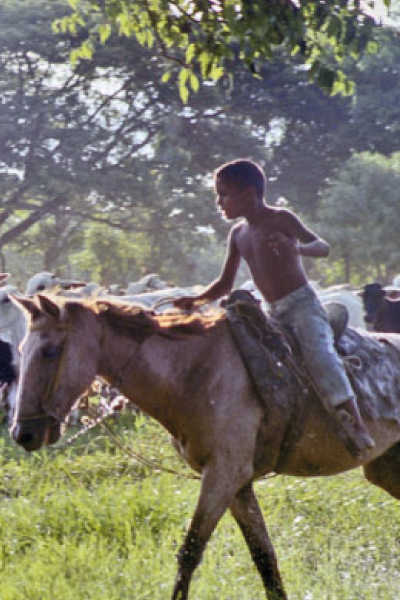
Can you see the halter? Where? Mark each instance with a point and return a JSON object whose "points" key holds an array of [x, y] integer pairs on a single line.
{"points": [[52, 383]]}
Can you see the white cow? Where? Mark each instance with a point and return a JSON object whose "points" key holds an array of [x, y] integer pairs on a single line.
{"points": [[147, 283], [47, 281], [159, 300], [12, 331], [12, 321], [336, 293], [349, 299]]}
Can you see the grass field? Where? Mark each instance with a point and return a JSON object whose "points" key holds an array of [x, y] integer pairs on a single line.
{"points": [[90, 523]]}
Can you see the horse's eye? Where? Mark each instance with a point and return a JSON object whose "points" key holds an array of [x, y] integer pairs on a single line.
{"points": [[50, 352]]}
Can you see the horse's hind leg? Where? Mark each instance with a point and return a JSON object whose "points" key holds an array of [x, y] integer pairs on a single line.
{"points": [[246, 511], [384, 471]]}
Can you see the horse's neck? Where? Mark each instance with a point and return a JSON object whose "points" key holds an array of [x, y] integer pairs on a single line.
{"points": [[151, 373], [117, 353]]}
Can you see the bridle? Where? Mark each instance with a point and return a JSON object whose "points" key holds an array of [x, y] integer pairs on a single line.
{"points": [[52, 383]]}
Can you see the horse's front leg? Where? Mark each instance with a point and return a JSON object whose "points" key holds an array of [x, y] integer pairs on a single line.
{"points": [[247, 513], [219, 486]]}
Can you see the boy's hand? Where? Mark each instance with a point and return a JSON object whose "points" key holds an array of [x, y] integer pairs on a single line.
{"points": [[185, 303], [281, 243]]}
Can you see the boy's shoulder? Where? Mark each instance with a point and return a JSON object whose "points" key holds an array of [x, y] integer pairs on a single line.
{"points": [[281, 211], [240, 226], [283, 216], [238, 232]]}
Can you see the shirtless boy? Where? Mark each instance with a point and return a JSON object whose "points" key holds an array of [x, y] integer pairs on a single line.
{"points": [[272, 241]]}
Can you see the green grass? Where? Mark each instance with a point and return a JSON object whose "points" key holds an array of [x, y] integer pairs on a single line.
{"points": [[89, 523]]}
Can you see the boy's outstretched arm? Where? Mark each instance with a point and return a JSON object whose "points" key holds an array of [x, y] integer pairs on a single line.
{"points": [[220, 286]]}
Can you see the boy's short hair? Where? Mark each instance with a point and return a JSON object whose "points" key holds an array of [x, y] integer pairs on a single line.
{"points": [[243, 172]]}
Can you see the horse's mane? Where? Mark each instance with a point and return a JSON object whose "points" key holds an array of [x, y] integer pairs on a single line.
{"points": [[144, 322], [135, 319]]}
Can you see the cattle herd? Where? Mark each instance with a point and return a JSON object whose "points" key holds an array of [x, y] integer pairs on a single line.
{"points": [[375, 307]]}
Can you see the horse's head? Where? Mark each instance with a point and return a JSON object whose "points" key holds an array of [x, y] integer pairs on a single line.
{"points": [[59, 357]]}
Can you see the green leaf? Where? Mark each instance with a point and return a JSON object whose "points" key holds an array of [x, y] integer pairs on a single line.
{"points": [[104, 32], [194, 82], [166, 77], [205, 63], [216, 72], [184, 93], [124, 26], [183, 76], [190, 52]]}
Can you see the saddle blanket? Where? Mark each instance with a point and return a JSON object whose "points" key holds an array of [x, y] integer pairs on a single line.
{"points": [[372, 361]]}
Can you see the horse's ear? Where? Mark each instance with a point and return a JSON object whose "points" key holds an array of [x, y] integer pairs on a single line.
{"points": [[49, 307], [28, 305]]}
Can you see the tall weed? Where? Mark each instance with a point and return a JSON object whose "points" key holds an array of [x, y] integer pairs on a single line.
{"points": [[90, 523]]}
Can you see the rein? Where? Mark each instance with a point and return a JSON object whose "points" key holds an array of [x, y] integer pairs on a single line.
{"points": [[95, 420]]}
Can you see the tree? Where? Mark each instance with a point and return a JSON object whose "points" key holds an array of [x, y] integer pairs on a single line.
{"points": [[81, 144], [62, 133], [359, 214], [374, 112], [202, 35], [104, 144]]}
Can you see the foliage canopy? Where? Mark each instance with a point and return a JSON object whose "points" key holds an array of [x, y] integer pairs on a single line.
{"points": [[104, 169], [204, 36], [363, 197]]}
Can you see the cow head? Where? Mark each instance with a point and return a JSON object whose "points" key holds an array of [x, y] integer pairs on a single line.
{"points": [[372, 296]]}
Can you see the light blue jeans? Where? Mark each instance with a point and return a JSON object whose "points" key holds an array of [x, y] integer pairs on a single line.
{"points": [[302, 312]]}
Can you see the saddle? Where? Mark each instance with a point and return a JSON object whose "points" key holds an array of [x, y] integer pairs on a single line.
{"points": [[273, 359], [262, 345], [272, 363], [250, 324], [247, 319]]}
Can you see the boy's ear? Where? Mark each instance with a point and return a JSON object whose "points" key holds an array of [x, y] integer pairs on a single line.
{"points": [[251, 192]]}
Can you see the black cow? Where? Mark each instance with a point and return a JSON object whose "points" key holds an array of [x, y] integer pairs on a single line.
{"points": [[381, 311], [7, 369], [8, 375]]}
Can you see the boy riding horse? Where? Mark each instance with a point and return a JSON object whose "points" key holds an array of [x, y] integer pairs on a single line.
{"points": [[272, 241]]}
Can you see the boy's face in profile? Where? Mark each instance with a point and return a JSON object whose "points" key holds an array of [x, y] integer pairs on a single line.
{"points": [[231, 198]]}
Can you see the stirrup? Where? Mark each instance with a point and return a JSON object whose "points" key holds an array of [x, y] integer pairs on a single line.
{"points": [[356, 442]]}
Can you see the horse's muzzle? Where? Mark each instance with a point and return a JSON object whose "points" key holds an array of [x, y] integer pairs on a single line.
{"points": [[32, 434]]}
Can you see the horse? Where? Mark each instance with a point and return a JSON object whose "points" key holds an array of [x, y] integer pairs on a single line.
{"points": [[185, 371]]}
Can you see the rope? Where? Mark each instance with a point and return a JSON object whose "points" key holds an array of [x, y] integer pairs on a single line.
{"points": [[93, 421]]}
